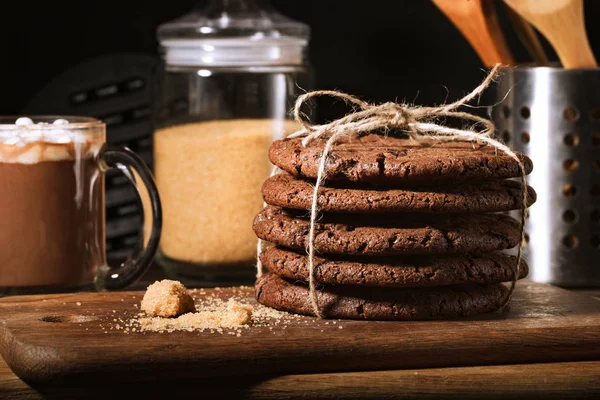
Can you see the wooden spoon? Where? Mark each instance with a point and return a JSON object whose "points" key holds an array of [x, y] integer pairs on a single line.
{"points": [[477, 21], [528, 38], [562, 23]]}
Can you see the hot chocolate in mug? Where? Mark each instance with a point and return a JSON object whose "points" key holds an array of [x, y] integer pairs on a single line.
{"points": [[52, 213]]}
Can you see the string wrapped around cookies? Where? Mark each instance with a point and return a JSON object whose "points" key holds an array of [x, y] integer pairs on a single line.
{"points": [[419, 124]]}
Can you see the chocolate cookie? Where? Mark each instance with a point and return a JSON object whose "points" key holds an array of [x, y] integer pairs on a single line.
{"points": [[375, 158], [396, 271], [351, 302], [385, 234], [284, 190]]}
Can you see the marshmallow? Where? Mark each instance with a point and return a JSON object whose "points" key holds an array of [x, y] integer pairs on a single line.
{"points": [[11, 140], [24, 121], [28, 143]]}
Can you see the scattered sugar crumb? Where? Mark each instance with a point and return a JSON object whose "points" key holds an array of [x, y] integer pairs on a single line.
{"points": [[78, 303], [231, 316], [235, 314]]}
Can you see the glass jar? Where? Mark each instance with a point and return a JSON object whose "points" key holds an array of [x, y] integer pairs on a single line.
{"points": [[231, 74]]}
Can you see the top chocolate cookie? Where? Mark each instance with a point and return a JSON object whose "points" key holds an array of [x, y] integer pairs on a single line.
{"points": [[375, 158]]}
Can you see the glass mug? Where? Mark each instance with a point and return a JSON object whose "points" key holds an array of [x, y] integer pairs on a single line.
{"points": [[52, 215]]}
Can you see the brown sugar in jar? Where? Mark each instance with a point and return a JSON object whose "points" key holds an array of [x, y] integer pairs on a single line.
{"points": [[209, 176]]}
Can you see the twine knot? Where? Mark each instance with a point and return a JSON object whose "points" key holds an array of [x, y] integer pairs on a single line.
{"points": [[402, 116]]}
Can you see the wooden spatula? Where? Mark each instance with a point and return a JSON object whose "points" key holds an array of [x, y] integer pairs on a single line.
{"points": [[562, 23], [477, 21], [528, 38]]}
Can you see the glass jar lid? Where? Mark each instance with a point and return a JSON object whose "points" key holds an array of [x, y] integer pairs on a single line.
{"points": [[233, 33]]}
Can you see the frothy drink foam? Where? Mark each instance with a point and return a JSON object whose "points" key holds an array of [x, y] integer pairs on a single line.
{"points": [[51, 206], [29, 143]]}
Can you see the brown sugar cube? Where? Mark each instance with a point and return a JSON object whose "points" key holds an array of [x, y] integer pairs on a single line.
{"points": [[167, 298]]}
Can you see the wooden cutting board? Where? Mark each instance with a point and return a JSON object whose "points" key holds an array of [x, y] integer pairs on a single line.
{"points": [[68, 336]]}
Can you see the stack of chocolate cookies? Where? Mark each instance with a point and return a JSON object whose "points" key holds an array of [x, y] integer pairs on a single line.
{"points": [[406, 231]]}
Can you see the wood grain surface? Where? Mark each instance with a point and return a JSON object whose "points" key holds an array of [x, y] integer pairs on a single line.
{"points": [[49, 338], [572, 380]]}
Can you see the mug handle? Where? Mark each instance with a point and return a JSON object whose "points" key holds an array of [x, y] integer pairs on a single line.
{"points": [[112, 278]]}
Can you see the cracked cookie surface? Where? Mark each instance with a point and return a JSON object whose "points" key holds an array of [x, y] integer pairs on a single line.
{"points": [[399, 271], [388, 234], [368, 303], [284, 190], [375, 158]]}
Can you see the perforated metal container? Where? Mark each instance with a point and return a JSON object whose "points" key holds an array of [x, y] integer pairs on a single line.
{"points": [[553, 116]]}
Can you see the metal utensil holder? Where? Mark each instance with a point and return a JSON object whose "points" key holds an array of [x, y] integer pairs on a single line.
{"points": [[553, 116]]}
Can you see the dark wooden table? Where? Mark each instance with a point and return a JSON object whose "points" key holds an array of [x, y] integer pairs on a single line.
{"points": [[577, 380], [564, 380]]}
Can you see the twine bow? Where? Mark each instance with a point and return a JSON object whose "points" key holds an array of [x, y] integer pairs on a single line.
{"points": [[419, 123]]}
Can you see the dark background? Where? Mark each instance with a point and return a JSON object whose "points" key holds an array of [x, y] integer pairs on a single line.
{"points": [[378, 49]]}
